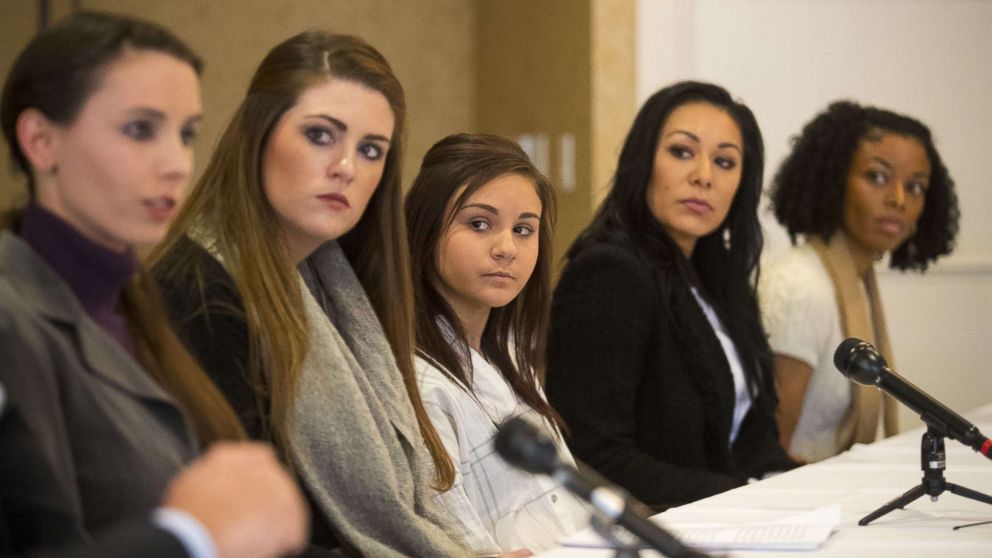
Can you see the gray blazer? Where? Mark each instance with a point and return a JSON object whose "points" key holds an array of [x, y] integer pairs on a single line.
{"points": [[109, 437]]}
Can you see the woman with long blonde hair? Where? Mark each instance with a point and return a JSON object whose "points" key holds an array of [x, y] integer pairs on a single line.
{"points": [[286, 274]]}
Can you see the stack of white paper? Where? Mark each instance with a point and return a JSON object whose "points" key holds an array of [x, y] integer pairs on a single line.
{"points": [[805, 531]]}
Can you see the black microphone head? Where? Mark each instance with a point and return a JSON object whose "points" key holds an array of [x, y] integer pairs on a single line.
{"points": [[859, 361], [845, 352], [523, 445]]}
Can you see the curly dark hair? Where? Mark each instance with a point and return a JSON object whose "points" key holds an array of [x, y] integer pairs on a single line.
{"points": [[807, 193]]}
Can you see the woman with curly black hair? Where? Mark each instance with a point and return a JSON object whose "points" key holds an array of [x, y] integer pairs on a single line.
{"points": [[861, 182], [657, 359]]}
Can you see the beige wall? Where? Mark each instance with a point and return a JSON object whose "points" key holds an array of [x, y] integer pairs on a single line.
{"points": [[507, 67], [928, 58], [429, 43], [559, 67], [535, 79], [20, 21], [614, 81]]}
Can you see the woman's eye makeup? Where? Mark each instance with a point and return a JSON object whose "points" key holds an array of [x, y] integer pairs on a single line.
{"points": [[318, 135], [479, 224], [139, 130], [371, 151], [726, 163], [916, 188], [188, 134], [323, 136], [680, 151], [523, 230], [877, 177]]}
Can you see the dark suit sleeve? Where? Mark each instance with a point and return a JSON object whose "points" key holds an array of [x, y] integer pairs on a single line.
{"points": [[33, 513], [132, 538], [209, 319], [40, 502], [604, 320], [127, 540]]}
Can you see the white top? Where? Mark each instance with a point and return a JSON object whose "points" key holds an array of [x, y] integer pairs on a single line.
{"points": [[496, 506], [742, 403], [800, 313]]}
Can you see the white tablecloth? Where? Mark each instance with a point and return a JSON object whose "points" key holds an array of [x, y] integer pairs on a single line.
{"points": [[860, 481]]}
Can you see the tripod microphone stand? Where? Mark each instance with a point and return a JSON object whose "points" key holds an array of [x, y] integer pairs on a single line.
{"points": [[933, 463]]}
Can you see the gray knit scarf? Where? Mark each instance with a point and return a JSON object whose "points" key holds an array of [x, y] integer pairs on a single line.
{"points": [[355, 439]]}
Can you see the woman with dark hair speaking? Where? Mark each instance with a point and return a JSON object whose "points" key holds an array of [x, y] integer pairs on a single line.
{"points": [[657, 359], [860, 183], [103, 406]]}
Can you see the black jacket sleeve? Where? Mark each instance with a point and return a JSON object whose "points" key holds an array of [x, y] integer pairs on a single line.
{"points": [[208, 315], [136, 537], [604, 324], [33, 520]]}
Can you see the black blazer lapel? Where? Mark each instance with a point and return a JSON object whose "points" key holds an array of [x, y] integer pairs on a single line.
{"points": [[708, 364]]}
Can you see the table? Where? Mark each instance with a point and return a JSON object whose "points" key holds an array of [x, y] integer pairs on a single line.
{"points": [[861, 480]]}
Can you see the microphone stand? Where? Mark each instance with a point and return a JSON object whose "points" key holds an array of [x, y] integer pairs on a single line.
{"points": [[611, 533], [611, 510], [933, 463]]}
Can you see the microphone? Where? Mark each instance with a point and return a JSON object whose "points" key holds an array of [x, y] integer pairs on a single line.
{"points": [[524, 446], [861, 362]]}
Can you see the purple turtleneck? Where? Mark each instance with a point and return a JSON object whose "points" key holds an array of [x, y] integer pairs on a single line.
{"points": [[97, 275]]}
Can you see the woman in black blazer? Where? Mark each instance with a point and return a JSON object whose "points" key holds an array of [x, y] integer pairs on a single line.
{"points": [[657, 360]]}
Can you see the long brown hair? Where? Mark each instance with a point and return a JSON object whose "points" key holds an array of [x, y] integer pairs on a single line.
{"points": [[469, 162], [229, 209], [56, 74]]}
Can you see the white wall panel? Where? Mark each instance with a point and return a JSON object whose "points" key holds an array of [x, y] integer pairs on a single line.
{"points": [[787, 59]]}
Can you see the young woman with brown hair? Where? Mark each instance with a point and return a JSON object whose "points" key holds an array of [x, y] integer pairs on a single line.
{"points": [[480, 218], [105, 407], [286, 274]]}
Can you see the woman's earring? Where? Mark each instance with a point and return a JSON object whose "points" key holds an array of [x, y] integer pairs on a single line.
{"points": [[54, 170], [726, 238]]}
